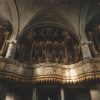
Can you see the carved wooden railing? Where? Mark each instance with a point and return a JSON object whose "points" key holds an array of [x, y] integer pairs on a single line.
{"points": [[14, 70], [84, 70], [50, 72]]}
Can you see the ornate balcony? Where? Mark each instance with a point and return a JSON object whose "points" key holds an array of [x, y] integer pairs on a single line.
{"points": [[84, 70]]}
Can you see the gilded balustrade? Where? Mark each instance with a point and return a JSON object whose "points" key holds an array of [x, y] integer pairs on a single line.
{"points": [[50, 72]]}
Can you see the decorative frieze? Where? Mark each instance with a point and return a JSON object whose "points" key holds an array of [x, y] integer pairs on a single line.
{"points": [[48, 72]]}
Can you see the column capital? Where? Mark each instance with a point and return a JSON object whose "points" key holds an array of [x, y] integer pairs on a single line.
{"points": [[85, 42], [85, 49], [12, 41], [11, 49]]}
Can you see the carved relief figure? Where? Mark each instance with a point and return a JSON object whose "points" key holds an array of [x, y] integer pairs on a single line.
{"points": [[49, 44]]}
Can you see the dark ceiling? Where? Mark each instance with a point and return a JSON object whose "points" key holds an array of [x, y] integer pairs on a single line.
{"points": [[73, 14]]}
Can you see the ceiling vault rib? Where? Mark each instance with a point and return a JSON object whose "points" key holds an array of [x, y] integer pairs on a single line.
{"points": [[80, 15], [57, 12], [15, 17], [53, 8], [50, 3], [18, 18]]}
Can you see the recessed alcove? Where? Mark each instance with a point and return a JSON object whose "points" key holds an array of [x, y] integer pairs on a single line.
{"points": [[49, 44]]}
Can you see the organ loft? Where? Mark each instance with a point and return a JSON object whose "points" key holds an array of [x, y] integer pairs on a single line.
{"points": [[43, 47], [49, 50]]}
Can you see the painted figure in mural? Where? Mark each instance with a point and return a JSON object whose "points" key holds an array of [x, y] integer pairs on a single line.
{"points": [[20, 48]]}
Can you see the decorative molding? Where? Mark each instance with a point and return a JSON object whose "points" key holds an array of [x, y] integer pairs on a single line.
{"points": [[85, 70]]}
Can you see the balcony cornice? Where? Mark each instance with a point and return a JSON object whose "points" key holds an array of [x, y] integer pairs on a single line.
{"points": [[85, 70]]}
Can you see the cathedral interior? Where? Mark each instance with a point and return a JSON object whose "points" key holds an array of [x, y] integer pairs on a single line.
{"points": [[49, 49]]}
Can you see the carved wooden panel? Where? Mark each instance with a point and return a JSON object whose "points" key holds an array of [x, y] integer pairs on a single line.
{"points": [[50, 72]]}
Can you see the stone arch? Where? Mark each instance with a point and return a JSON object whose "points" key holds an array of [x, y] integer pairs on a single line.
{"points": [[47, 15], [47, 38], [59, 25]]}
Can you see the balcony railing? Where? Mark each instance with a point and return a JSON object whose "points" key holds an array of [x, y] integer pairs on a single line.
{"points": [[50, 72]]}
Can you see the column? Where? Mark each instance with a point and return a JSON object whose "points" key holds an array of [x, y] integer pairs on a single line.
{"points": [[95, 92], [85, 49], [34, 96], [11, 49], [6, 34], [62, 94], [3, 91]]}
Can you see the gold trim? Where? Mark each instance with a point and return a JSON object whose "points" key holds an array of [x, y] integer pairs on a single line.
{"points": [[84, 70]]}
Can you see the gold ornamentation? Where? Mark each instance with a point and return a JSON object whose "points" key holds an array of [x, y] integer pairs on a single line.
{"points": [[50, 72]]}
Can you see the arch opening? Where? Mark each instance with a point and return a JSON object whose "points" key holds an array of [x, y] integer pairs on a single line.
{"points": [[48, 44]]}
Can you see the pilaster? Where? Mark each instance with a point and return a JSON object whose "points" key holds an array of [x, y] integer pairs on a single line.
{"points": [[85, 49], [11, 49], [34, 96]]}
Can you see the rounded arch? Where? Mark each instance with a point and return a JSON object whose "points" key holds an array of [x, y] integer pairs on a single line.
{"points": [[49, 43], [55, 24], [49, 16]]}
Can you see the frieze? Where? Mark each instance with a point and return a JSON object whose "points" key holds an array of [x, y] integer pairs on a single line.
{"points": [[48, 72]]}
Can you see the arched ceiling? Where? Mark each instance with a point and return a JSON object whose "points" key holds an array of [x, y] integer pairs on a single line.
{"points": [[73, 13], [69, 10], [5, 12], [93, 12]]}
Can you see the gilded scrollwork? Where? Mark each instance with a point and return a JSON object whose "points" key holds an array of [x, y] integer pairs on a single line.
{"points": [[49, 72]]}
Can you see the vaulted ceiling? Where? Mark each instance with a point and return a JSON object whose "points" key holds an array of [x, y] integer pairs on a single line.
{"points": [[73, 14]]}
